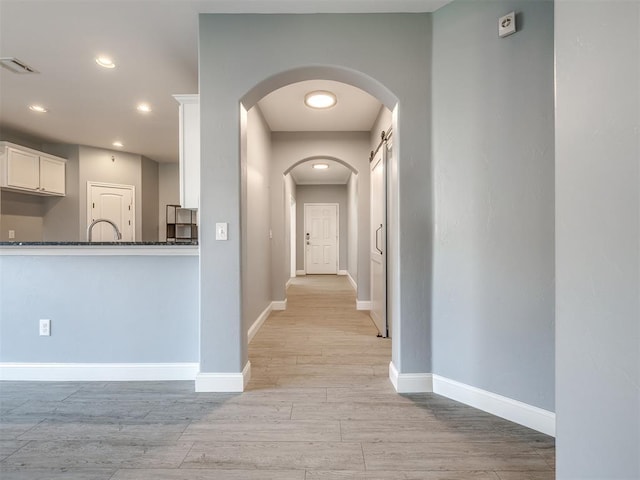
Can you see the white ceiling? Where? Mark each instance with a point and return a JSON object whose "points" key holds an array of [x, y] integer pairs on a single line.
{"points": [[154, 44], [355, 111]]}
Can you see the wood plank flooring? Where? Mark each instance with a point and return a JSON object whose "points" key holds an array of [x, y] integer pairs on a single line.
{"points": [[319, 407]]}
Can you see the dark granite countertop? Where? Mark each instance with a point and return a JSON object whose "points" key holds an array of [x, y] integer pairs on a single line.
{"points": [[95, 244]]}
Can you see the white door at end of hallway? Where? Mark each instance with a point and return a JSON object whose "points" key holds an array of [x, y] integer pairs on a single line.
{"points": [[111, 202], [321, 238]]}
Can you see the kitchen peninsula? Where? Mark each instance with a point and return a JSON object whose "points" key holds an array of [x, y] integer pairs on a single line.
{"points": [[117, 311]]}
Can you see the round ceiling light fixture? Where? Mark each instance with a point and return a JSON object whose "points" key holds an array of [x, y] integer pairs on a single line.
{"points": [[117, 144], [105, 62], [320, 99], [38, 108], [320, 166]]}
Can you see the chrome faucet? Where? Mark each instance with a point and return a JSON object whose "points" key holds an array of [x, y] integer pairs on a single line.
{"points": [[117, 234]]}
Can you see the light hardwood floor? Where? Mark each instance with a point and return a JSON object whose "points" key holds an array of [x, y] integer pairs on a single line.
{"points": [[319, 407]]}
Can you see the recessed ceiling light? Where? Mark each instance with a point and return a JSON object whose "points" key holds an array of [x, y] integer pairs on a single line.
{"points": [[320, 99], [105, 62], [117, 144], [143, 107], [38, 108], [320, 166]]}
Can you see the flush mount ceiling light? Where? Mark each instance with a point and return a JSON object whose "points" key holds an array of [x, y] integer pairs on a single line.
{"points": [[320, 166], [117, 144], [143, 107], [38, 108], [105, 62], [320, 99]]}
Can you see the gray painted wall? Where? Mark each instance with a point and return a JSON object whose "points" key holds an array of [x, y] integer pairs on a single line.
{"points": [[21, 138], [150, 196], [256, 244], [598, 239], [290, 192], [243, 57], [322, 194], [22, 214], [493, 308], [133, 309], [168, 193], [62, 214]]}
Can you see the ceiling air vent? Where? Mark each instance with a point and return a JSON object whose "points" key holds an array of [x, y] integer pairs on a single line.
{"points": [[16, 66]]}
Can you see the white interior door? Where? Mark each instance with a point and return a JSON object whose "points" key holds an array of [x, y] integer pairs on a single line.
{"points": [[321, 238], [379, 242], [115, 203]]}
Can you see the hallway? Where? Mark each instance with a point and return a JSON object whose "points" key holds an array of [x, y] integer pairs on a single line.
{"points": [[319, 407]]}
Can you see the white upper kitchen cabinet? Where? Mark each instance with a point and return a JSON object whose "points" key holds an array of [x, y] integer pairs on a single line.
{"points": [[30, 171], [189, 113]]}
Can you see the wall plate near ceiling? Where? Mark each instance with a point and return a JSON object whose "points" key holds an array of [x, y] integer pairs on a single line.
{"points": [[507, 24]]}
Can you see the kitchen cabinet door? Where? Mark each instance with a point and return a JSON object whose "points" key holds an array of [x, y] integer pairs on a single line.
{"points": [[23, 169], [52, 175]]}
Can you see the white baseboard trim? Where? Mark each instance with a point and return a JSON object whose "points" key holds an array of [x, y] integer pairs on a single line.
{"points": [[513, 410], [410, 382], [286, 285], [253, 329], [352, 282], [223, 382], [300, 273], [98, 372], [343, 272], [363, 305], [279, 305]]}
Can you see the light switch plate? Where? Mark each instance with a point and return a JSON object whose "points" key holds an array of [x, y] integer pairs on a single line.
{"points": [[221, 231], [507, 24], [12, 234]]}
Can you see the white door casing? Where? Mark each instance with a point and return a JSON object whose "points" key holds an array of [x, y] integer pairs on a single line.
{"points": [[111, 202], [292, 236], [378, 242], [321, 238]]}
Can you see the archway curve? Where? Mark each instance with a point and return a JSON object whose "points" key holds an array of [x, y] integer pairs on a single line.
{"points": [[320, 72], [321, 157]]}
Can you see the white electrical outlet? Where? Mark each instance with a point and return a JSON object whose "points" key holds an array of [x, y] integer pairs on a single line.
{"points": [[45, 327], [12, 234], [221, 231]]}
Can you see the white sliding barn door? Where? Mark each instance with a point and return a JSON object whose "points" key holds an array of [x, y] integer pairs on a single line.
{"points": [[379, 242], [321, 238]]}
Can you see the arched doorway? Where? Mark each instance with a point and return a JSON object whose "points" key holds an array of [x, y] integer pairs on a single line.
{"points": [[337, 183], [285, 147]]}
